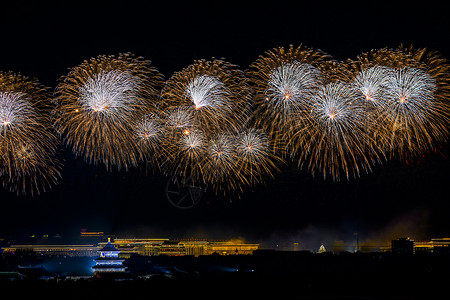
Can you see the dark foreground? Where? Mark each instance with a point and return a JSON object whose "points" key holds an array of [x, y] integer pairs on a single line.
{"points": [[271, 275]]}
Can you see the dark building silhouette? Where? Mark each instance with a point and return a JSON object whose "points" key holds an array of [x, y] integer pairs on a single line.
{"points": [[402, 246]]}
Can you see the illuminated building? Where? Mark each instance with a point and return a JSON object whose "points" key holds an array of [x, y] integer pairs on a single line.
{"points": [[109, 260], [438, 246], [91, 234], [322, 249], [54, 250], [154, 247], [144, 247], [230, 248], [92, 237], [85, 233], [196, 247]]}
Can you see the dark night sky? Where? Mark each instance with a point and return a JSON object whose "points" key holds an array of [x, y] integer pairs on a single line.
{"points": [[43, 39]]}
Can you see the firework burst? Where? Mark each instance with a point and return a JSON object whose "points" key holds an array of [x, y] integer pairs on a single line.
{"points": [[284, 81], [412, 107], [411, 102], [220, 163], [255, 161], [149, 132], [337, 139], [211, 124], [28, 162], [211, 94], [200, 102], [98, 103], [186, 154]]}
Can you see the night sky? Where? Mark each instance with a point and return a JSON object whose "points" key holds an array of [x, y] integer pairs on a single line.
{"points": [[43, 39]]}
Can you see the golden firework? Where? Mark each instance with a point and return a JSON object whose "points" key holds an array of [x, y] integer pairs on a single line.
{"points": [[98, 104], [28, 161]]}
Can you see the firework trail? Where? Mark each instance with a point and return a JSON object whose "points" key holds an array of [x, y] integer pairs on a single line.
{"points": [[98, 105], [28, 162]]}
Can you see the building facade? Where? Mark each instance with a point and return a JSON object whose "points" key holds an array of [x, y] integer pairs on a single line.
{"points": [[437, 246], [402, 246], [109, 260], [55, 250], [144, 247], [154, 247]]}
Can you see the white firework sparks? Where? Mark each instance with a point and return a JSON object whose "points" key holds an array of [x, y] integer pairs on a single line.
{"points": [[149, 129], [14, 110], [371, 84], [412, 112], [410, 93], [336, 105], [252, 145], [207, 91], [222, 151], [291, 85], [255, 160], [193, 142], [179, 118], [338, 137], [149, 132], [108, 92]]}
